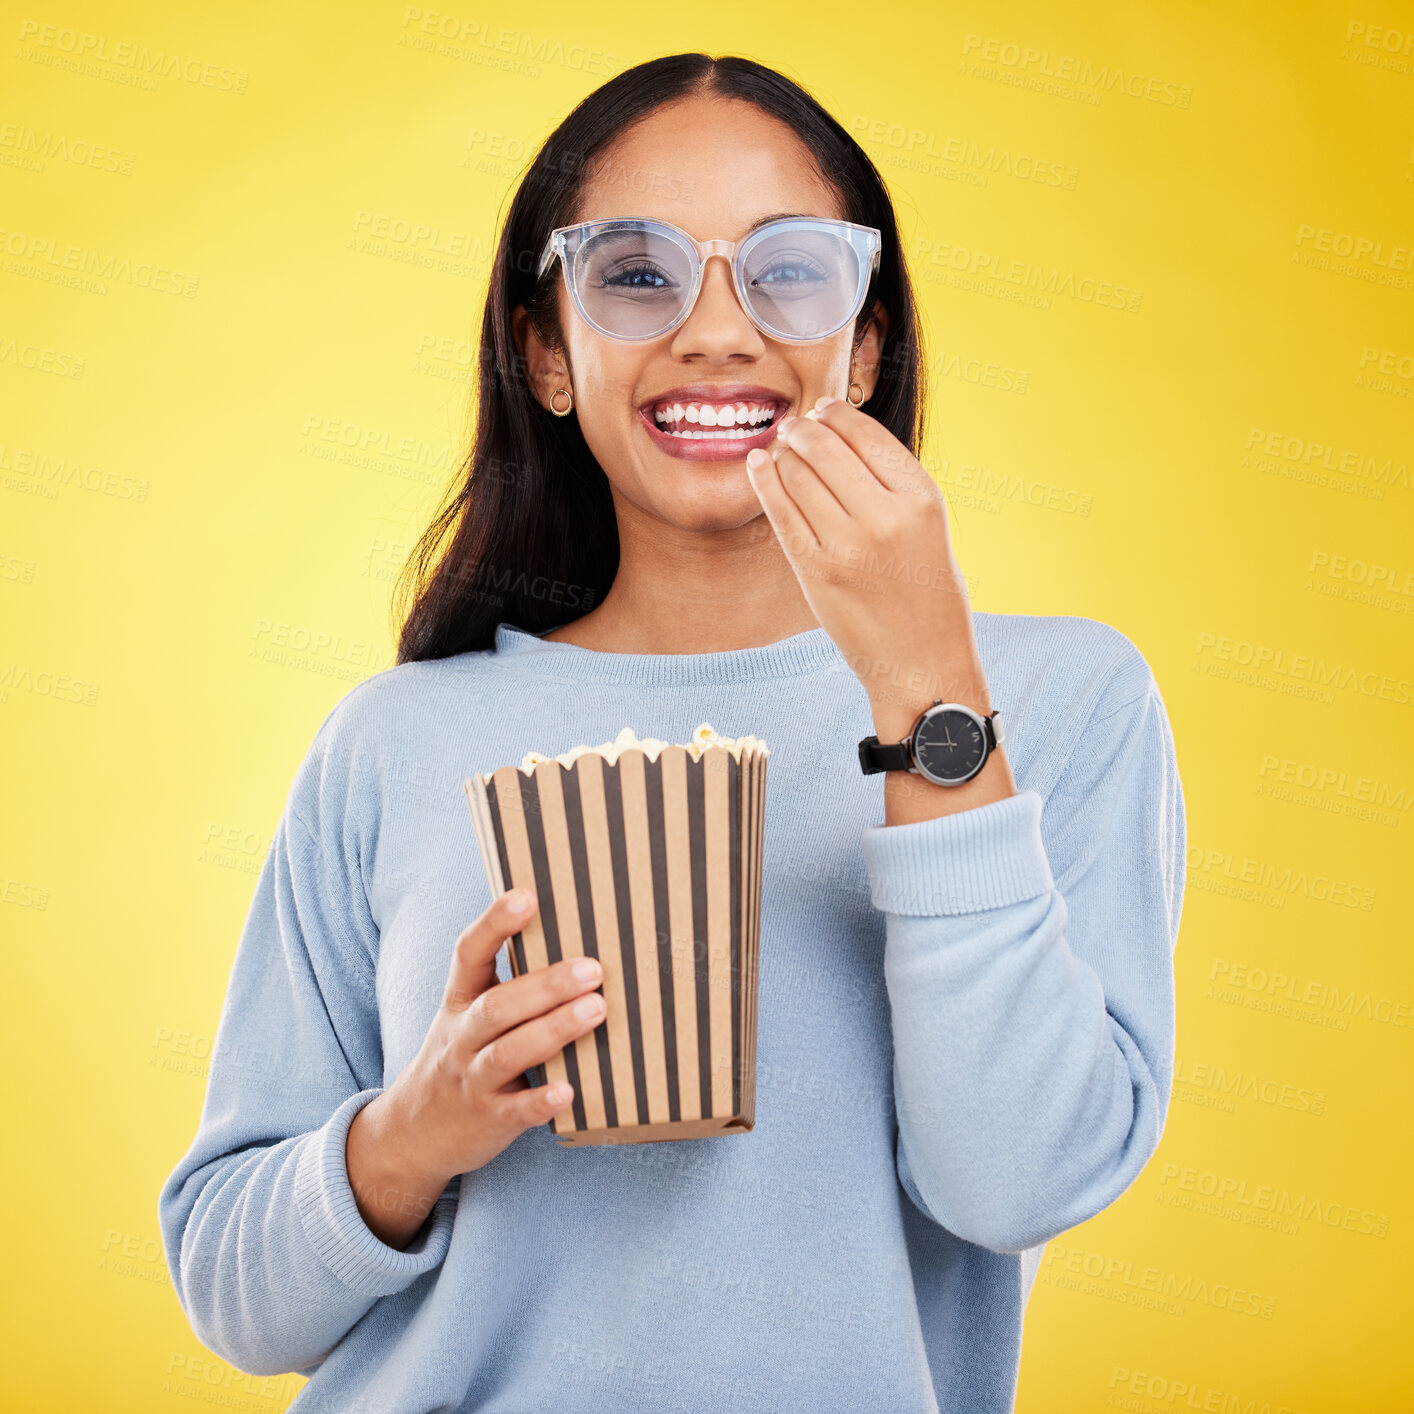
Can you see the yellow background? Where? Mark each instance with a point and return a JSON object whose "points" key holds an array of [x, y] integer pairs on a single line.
{"points": [[195, 567]]}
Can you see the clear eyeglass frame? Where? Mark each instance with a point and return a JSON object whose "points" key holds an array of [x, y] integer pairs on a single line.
{"points": [[566, 242]]}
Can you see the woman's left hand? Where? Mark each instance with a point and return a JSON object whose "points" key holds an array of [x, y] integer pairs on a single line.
{"points": [[865, 528]]}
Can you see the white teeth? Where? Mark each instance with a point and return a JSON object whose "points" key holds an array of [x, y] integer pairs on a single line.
{"points": [[720, 434], [757, 416]]}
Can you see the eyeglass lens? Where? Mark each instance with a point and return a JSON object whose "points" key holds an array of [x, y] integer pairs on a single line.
{"points": [[799, 282]]}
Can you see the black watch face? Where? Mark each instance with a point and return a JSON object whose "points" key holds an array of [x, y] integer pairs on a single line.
{"points": [[950, 746]]}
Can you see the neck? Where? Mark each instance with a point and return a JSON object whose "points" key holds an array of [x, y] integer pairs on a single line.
{"points": [[695, 592]]}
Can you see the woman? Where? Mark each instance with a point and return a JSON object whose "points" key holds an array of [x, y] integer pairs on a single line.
{"points": [[966, 1014]]}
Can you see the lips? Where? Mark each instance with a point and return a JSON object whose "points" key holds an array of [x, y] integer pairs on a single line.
{"points": [[695, 440]]}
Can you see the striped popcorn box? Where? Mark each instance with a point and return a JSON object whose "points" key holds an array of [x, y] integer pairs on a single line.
{"points": [[646, 855]]}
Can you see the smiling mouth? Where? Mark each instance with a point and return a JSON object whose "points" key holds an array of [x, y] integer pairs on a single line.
{"points": [[699, 421]]}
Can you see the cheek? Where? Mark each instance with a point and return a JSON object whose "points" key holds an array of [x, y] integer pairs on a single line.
{"points": [[607, 392], [818, 368], [606, 382]]}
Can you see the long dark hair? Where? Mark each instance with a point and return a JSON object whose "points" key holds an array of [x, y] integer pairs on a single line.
{"points": [[527, 533]]}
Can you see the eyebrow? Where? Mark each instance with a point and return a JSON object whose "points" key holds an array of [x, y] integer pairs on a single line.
{"points": [[778, 216], [760, 221]]}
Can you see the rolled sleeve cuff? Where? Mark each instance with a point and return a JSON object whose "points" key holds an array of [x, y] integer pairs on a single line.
{"points": [[335, 1228], [986, 857]]}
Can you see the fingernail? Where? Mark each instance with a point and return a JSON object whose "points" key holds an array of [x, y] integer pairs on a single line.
{"points": [[784, 423], [518, 900], [825, 399], [588, 1006], [756, 459], [586, 968]]}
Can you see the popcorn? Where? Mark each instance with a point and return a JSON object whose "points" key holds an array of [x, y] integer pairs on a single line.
{"points": [[628, 740]]}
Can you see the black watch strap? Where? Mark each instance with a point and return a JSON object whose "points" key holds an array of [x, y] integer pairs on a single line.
{"points": [[874, 757]]}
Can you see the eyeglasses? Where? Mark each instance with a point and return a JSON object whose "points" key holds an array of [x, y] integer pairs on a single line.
{"points": [[800, 279]]}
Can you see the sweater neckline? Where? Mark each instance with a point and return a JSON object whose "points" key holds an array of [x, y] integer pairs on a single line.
{"points": [[810, 652]]}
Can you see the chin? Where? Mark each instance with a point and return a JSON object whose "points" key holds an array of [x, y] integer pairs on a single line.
{"points": [[714, 507]]}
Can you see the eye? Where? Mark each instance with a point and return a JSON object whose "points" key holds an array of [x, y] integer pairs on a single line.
{"points": [[791, 272], [641, 276]]}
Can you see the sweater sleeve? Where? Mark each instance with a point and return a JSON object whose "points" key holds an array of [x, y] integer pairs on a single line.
{"points": [[1029, 967], [270, 1258]]}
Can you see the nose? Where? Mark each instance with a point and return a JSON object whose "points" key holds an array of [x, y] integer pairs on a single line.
{"points": [[717, 325]]}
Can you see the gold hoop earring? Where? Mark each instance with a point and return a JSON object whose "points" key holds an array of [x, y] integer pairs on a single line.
{"points": [[853, 401], [568, 407]]}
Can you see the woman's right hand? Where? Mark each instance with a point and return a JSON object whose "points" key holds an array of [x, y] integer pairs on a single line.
{"points": [[464, 1096]]}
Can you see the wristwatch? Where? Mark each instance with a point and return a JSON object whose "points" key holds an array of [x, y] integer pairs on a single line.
{"points": [[948, 745]]}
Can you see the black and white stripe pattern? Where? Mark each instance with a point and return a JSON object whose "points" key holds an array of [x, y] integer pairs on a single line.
{"points": [[654, 867]]}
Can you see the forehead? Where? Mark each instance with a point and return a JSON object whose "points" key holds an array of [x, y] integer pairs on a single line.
{"points": [[712, 166]]}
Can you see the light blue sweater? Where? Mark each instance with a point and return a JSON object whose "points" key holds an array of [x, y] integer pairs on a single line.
{"points": [[965, 1047]]}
